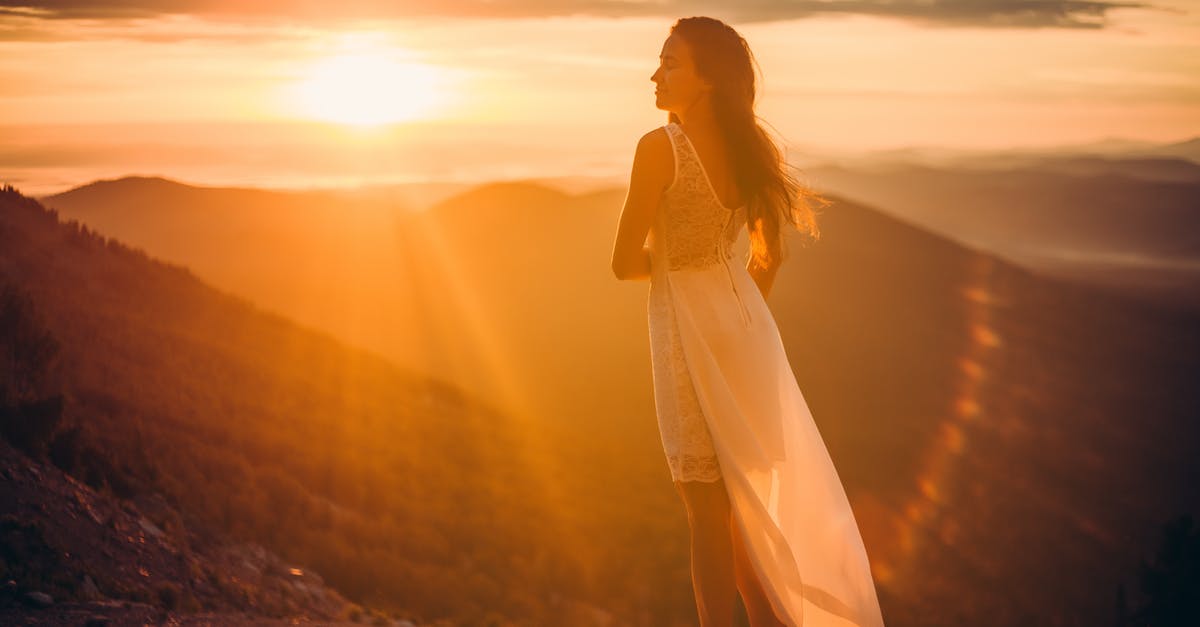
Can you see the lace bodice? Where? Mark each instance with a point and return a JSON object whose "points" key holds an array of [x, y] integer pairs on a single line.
{"points": [[692, 229]]}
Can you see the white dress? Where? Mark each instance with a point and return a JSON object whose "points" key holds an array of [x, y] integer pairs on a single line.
{"points": [[729, 406]]}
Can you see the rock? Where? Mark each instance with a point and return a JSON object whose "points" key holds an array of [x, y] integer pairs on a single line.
{"points": [[150, 527], [9, 590], [94, 515], [38, 599], [89, 591], [308, 592], [96, 621]]}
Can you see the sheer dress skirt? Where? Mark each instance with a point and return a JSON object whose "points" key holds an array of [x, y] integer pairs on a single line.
{"points": [[686, 439], [724, 388]]}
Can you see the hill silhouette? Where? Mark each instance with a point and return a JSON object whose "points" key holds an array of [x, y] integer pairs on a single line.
{"points": [[401, 491], [994, 429]]}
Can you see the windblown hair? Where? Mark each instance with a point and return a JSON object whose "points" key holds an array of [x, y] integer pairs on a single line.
{"points": [[771, 192]]}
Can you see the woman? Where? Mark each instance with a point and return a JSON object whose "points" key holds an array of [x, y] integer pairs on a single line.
{"points": [[767, 511]]}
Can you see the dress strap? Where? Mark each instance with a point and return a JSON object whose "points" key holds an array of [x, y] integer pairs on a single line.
{"points": [[676, 148]]}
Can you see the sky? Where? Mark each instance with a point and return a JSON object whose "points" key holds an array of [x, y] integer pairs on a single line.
{"points": [[292, 93]]}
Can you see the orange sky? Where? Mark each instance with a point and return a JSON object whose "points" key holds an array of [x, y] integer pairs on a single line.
{"points": [[278, 97]]}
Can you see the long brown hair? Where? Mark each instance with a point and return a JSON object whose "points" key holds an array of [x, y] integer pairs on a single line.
{"points": [[772, 193]]}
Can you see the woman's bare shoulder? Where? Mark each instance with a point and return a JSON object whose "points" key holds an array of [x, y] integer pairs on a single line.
{"points": [[656, 141], [654, 152]]}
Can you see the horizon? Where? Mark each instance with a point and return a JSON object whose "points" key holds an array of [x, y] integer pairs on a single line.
{"points": [[595, 180]]}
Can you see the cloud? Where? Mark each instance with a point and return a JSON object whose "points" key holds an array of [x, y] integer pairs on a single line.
{"points": [[1089, 14]]}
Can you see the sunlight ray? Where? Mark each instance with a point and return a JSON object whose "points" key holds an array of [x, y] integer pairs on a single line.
{"points": [[513, 395]]}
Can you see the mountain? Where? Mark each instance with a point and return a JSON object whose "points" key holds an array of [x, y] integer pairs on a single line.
{"points": [[1173, 161], [1187, 149], [403, 492], [993, 428], [411, 286], [1032, 429], [1079, 220], [1145, 168], [1107, 145]]}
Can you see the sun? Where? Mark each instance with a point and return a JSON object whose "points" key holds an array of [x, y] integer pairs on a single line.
{"points": [[369, 88]]}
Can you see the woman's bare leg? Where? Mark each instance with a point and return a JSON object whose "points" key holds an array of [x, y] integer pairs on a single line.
{"points": [[712, 550], [758, 606]]}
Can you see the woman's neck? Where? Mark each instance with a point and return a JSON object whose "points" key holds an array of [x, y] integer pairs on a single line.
{"points": [[698, 120]]}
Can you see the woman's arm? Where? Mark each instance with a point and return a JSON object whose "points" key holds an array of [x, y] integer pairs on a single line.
{"points": [[638, 269], [652, 168]]}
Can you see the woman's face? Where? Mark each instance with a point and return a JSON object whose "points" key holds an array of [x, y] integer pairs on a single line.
{"points": [[678, 86]]}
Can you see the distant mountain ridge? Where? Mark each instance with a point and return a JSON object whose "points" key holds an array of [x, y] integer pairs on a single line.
{"points": [[1115, 148], [1062, 217]]}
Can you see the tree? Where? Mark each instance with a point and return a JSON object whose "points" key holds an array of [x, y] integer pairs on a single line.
{"points": [[1171, 582], [31, 399]]}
